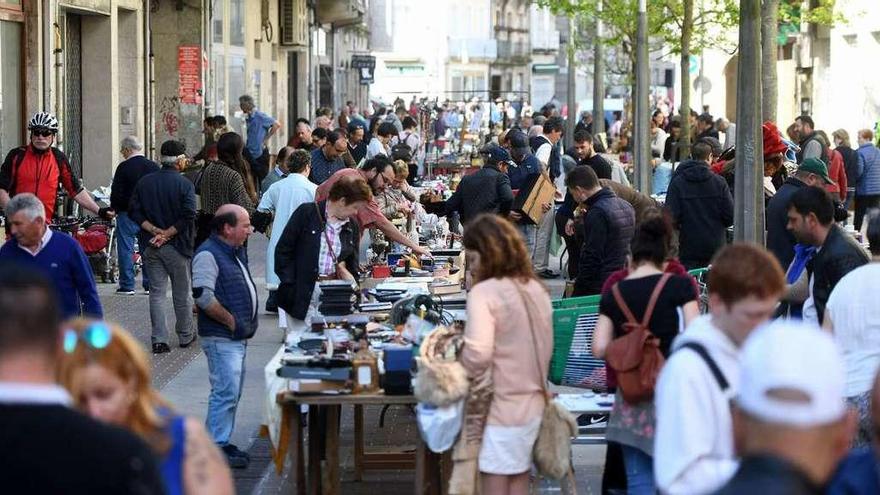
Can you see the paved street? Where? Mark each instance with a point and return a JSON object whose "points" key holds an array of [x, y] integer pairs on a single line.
{"points": [[182, 377]]}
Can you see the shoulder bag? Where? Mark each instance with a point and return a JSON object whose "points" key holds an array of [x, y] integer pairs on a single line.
{"points": [[552, 450]]}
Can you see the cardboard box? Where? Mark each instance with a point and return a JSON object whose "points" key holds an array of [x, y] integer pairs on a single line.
{"points": [[538, 190]]}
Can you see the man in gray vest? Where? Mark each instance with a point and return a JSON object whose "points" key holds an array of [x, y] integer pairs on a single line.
{"points": [[227, 299]]}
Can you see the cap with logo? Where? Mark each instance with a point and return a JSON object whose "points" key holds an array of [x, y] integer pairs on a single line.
{"points": [[495, 154], [816, 166], [791, 373]]}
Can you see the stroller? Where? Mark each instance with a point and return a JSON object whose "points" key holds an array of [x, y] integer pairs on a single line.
{"points": [[97, 239]]}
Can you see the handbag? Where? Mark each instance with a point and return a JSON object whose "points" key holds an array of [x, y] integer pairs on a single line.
{"points": [[441, 380], [552, 450]]}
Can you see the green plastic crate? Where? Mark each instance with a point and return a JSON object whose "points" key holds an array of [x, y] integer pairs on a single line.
{"points": [[564, 322], [576, 302]]}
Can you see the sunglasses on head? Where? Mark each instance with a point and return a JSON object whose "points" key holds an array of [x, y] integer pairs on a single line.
{"points": [[42, 132], [97, 336]]}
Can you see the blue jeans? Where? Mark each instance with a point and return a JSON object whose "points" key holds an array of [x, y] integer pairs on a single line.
{"points": [[226, 372], [639, 471], [126, 233]]}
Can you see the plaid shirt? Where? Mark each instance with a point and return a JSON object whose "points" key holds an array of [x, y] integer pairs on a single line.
{"points": [[326, 265]]}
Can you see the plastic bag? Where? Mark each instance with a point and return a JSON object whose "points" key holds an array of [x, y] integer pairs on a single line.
{"points": [[439, 426]]}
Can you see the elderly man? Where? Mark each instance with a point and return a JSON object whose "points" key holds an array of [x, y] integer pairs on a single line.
{"points": [[57, 256], [128, 173], [282, 199], [164, 205], [260, 128], [227, 299], [327, 159]]}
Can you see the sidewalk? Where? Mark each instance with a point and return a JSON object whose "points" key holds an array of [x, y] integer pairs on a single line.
{"points": [[182, 377]]}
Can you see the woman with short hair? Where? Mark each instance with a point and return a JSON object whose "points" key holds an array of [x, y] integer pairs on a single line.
{"points": [[320, 242]]}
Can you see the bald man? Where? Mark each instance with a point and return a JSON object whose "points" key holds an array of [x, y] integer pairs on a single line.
{"points": [[227, 299]]}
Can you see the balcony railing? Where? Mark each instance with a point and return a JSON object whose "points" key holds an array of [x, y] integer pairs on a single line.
{"points": [[513, 49]]}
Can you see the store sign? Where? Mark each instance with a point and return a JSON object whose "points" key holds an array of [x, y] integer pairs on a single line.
{"points": [[189, 69], [366, 66]]}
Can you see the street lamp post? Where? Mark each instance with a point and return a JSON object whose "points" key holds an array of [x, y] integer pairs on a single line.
{"points": [[642, 149], [749, 175]]}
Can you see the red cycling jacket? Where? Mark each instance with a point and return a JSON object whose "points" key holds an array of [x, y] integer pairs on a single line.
{"points": [[27, 170]]}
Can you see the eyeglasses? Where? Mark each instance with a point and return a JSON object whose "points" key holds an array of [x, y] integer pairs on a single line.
{"points": [[97, 336], [42, 132]]}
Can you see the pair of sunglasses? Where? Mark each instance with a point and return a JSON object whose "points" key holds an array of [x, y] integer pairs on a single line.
{"points": [[42, 132], [97, 336]]}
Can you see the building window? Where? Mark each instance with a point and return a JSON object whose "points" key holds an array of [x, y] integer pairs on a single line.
{"points": [[218, 9], [236, 22], [11, 94]]}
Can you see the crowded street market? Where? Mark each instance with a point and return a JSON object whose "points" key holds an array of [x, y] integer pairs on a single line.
{"points": [[472, 281]]}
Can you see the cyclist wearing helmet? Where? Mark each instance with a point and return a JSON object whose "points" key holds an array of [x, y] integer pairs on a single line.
{"points": [[39, 168]]}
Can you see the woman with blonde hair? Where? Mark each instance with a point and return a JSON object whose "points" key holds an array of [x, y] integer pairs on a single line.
{"points": [[107, 373], [509, 334]]}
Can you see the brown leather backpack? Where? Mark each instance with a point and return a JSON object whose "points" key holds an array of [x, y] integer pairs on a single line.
{"points": [[636, 356]]}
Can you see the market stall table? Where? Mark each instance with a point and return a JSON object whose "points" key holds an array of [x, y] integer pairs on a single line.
{"points": [[429, 478]]}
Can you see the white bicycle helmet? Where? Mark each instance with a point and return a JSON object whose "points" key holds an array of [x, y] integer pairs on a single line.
{"points": [[43, 120]]}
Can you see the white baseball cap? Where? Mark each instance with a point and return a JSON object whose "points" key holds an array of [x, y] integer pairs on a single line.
{"points": [[795, 357]]}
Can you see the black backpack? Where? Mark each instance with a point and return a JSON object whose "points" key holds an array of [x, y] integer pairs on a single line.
{"points": [[402, 150]]}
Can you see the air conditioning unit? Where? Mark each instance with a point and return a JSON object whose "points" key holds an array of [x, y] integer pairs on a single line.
{"points": [[294, 23]]}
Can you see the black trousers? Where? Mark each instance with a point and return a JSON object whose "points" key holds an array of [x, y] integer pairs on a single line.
{"points": [[863, 204]]}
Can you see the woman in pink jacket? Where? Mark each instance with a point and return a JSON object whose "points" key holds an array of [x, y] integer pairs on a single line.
{"points": [[509, 331]]}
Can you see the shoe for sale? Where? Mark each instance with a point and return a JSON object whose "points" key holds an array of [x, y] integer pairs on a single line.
{"points": [[184, 345], [126, 292], [160, 348]]}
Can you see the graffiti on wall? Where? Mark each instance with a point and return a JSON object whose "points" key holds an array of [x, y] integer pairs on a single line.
{"points": [[168, 119]]}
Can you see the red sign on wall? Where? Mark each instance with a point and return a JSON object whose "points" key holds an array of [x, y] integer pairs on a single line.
{"points": [[189, 68]]}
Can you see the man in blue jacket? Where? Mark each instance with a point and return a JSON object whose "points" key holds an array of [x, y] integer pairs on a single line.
{"points": [[58, 256], [227, 299], [868, 188]]}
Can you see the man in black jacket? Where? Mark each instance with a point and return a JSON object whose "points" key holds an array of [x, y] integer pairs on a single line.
{"points": [[608, 228], [811, 145], [48, 447], [701, 207], [706, 127], [164, 205], [127, 175], [780, 241], [487, 191], [811, 220]]}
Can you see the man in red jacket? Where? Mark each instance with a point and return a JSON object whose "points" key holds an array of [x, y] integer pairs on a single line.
{"points": [[39, 168]]}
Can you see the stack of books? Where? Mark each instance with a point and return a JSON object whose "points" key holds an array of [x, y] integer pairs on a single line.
{"points": [[337, 298]]}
